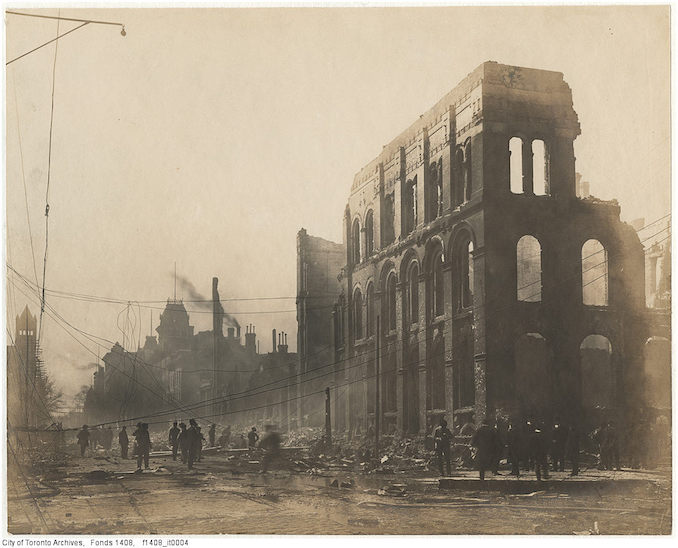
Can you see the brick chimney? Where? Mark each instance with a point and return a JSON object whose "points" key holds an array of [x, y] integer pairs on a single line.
{"points": [[250, 339]]}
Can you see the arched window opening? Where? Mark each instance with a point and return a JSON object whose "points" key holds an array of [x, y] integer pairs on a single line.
{"points": [[413, 293], [369, 320], [540, 171], [597, 374], [464, 275], [468, 181], [355, 241], [391, 302], [435, 190], [528, 265], [438, 287], [369, 234], [458, 180], [411, 205], [594, 274], [516, 164], [387, 221], [357, 315]]}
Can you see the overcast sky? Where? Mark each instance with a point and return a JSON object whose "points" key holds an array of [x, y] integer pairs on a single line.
{"points": [[209, 137]]}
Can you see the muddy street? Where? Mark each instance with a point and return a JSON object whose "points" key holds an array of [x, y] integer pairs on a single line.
{"points": [[227, 494]]}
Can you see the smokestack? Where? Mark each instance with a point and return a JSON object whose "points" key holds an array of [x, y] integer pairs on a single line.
{"points": [[274, 346], [282, 347], [250, 339]]}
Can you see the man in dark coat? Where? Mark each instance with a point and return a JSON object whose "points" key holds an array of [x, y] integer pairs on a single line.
{"points": [[270, 443], [558, 441], [123, 440], [143, 440], [194, 440], [484, 440], [539, 451], [514, 440], [252, 438], [572, 449], [173, 439], [610, 447], [83, 439], [212, 434], [442, 437], [183, 442]]}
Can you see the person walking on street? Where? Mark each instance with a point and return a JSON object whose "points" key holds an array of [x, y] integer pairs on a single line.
{"points": [[270, 443], [252, 438], [143, 441], [201, 439], [442, 437], [212, 434], [485, 443], [83, 439], [123, 440], [174, 439]]}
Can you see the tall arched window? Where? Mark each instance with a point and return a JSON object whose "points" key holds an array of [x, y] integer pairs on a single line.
{"points": [[435, 190], [516, 164], [357, 314], [468, 181], [437, 286], [369, 309], [463, 274], [391, 302], [411, 205], [413, 293], [540, 168], [458, 180], [355, 241], [528, 267], [369, 234], [387, 221], [594, 273]]}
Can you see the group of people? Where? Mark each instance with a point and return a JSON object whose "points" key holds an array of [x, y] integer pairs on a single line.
{"points": [[529, 446]]}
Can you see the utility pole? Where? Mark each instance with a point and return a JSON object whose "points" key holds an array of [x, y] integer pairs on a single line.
{"points": [[328, 418], [376, 393], [27, 401]]}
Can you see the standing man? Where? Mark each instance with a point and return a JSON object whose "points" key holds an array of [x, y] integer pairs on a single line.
{"points": [[612, 446], [83, 439], [539, 452], [485, 443], [442, 438], [143, 439], [212, 434], [252, 438], [108, 437], [201, 438], [123, 440], [572, 449], [174, 440], [514, 448], [558, 441], [270, 443], [183, 442], [194, 442]]}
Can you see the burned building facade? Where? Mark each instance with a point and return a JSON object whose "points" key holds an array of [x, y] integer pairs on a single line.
{"points": [[475, 280]]}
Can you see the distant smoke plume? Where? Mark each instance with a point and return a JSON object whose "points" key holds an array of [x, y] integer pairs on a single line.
{"points": [[203, 302]]}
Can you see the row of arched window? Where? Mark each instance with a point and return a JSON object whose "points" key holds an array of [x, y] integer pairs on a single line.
{"points": [[461, 193], [462, 293], [594, 270]]}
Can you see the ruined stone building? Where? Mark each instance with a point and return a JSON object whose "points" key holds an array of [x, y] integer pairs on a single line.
{"points": [[475, 281]]}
